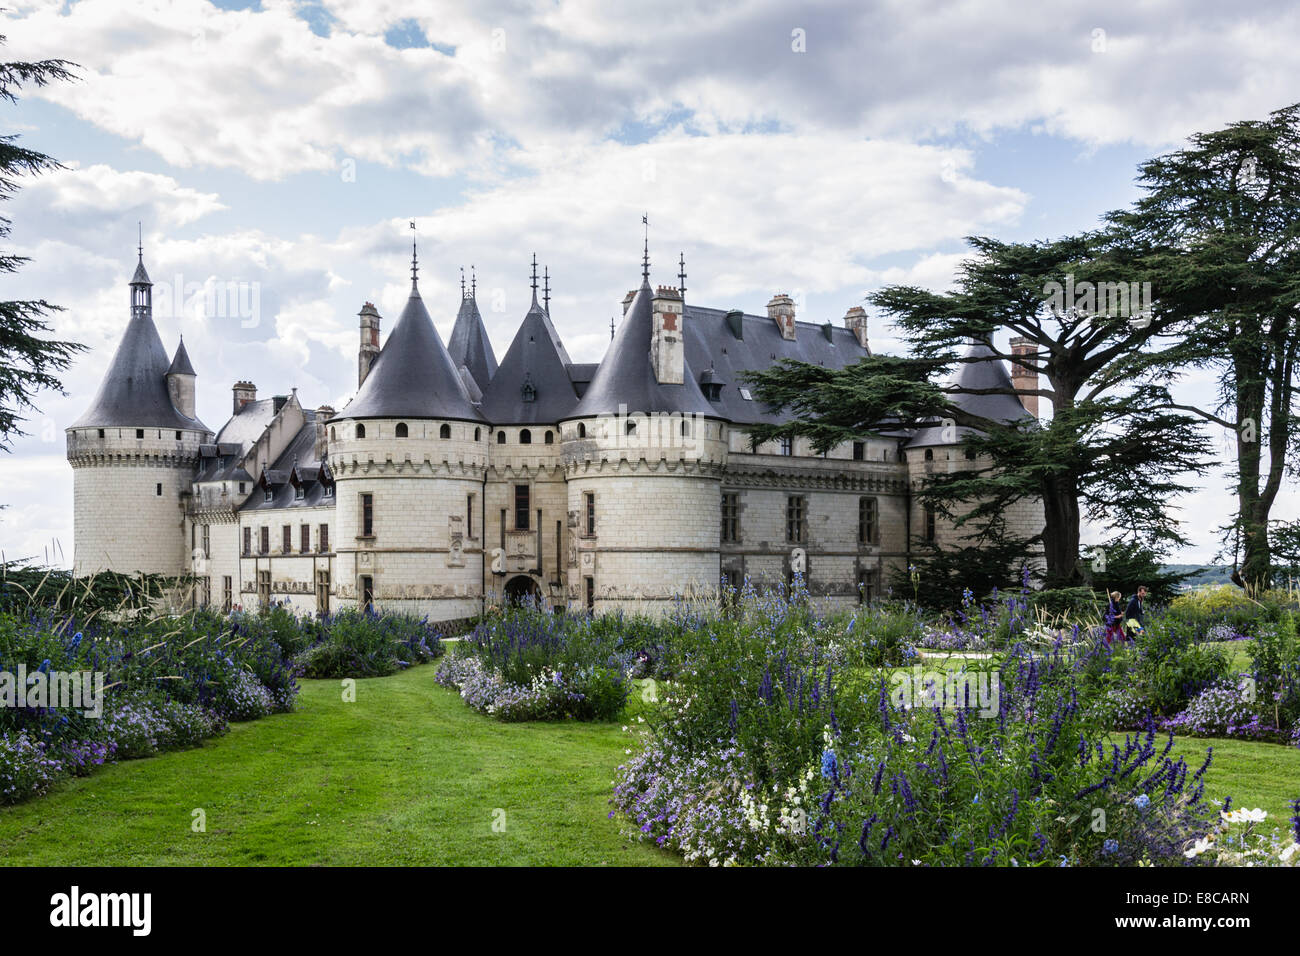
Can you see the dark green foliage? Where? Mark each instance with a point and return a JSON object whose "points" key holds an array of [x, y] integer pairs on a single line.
{"points": [[363, 644]]}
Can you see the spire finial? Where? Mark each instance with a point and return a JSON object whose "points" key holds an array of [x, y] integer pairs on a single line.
{"points": [[139, 226], [546, 289], [473, 282], [534, 279], [645, 257], [611, 328], [462, 282], [415, 260], [681, 275]]}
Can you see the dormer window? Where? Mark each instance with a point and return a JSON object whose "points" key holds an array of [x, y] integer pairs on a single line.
{"points": [[527, 391], [269, 494], [300, 493]]}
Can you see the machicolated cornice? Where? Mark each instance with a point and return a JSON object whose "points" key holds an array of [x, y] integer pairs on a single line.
{"points": [[879, 479], [404, 468]]}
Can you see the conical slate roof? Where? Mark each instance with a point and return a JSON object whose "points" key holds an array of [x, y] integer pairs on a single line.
{"points": [[134, 391], [989, 373], [140, 277], [413, 376], [626, 378], [536, 358], [469, 345], [181, 361]]}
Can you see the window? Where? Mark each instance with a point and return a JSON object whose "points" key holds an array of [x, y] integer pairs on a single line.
{"points": [[501, 438], [266, 540], [929, 454], [746, 394], [730, 517], [478, 434], [970, 454], [591, 593], [589, 511], [207, 592], [300, 492], [248, 541], [630, 428], [178, 436], [264, 588], [929, 523], [286, 540], [322, 592], [243, 487], [444, 431], [550, 438], [269, 493], [400, 430], [367, 516], [334, 435], [525, 437], [139, 433], [304, 537], [361, 431], [207, 543], [323, 538], [521, 507], [101, 433], [469, 516], [582, 430], [867, 509], [859, 450], [158, 489], [367, 590], [686, 428], [787, 446], [796, 520], [868, 585], [227, 594], [329, 489]]}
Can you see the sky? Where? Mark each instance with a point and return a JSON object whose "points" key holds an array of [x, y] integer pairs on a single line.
{"points": [[274, 154]]}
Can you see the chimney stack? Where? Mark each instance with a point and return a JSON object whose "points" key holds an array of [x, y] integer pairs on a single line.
{"points": [[855, 320], [244, 392], [323, 415], [667, 350], [627, 300], [1024, 375], [369, 351], [781, 311]]}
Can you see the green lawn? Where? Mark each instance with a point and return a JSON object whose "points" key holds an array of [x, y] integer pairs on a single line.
{"points": [[405, 775], [1253, 774]]}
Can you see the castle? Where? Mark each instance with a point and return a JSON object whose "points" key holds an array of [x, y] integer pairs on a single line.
{"points": [[450, 482]]}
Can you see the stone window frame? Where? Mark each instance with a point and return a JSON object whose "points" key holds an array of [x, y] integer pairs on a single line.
{"points": [[873, 538], [588, 515], [796, 519], [738, 537]]}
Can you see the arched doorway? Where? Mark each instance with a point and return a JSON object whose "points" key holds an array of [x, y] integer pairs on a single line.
{"points": [[522, 589]]}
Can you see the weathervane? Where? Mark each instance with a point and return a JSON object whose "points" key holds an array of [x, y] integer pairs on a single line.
{"points": [[645, 258], [415, 262], [681, 275]]}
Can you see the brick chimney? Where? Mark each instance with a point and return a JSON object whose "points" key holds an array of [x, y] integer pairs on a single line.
{"points": [[667, 352], [627, 300], [369, 351], [781, 311], [855, 320], [244, 393], [1024, 374]]}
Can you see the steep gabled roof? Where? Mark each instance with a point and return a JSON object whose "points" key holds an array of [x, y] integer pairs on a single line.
{"points": [[989, 372], [134, 392], [413, 376], [536, 362], [469, 345], [626, 379]]}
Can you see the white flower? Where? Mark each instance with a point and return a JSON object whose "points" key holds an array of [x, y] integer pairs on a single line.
{"points": [[1198, 848], [1289, 852]]}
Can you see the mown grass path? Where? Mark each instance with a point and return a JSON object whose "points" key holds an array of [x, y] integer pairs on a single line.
{"points": [[406, 775]]}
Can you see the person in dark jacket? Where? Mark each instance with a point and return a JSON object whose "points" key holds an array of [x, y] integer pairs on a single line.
{"points": [[1115, 618], [1134, 612]]}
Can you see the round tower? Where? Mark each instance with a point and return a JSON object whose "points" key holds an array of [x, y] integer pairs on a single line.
{"points": [[644, 452], [408, 455], [134, 453]]}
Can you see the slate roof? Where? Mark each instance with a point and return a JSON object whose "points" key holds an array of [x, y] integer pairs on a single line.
{"points": [[469, 345], [413, 375], [181, 361], [715, 352], [536, 357], [991, 373], [626, 379], [296, 467], [134, 392]]}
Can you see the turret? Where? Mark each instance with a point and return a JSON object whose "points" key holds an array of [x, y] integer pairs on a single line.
{"points": [[134, 452]]}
